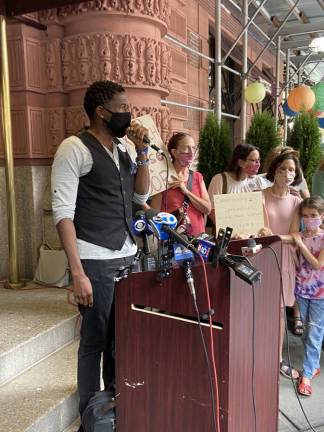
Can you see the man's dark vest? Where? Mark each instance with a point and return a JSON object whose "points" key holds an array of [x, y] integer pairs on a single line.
{"points": [[103, 214]]}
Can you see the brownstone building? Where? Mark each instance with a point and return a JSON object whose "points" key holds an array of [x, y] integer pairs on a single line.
{"points": [[55, 54]]}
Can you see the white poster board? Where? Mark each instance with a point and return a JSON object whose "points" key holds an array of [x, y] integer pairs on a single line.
{"points": [[158, 165], [242, 211]]}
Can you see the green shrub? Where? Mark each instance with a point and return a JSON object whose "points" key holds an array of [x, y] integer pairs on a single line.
{"points": [[263, 134], [305, 137], [214, 147]]}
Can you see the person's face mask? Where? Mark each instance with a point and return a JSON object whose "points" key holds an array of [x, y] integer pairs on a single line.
{"points": [[312, 223], [251, 164], [252, 168], [118, 122], [285, 178], [185, 159]]}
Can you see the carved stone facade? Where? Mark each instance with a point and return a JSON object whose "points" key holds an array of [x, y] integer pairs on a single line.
{"points": [[50, 71], [127, 59], [157, 9]]}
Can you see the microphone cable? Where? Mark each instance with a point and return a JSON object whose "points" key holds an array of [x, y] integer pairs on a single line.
{"points": [[253, 358], [215, 402], [166, 182], [287, 337]]}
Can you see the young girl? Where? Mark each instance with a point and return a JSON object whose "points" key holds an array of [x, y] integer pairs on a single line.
{"points": [[309, 289]]}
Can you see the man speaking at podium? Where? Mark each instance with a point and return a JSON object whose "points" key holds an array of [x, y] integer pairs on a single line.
{"points": [[94, 182]]}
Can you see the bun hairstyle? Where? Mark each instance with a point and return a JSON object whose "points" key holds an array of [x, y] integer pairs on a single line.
{"points": [[276, 151], [175, 140]]}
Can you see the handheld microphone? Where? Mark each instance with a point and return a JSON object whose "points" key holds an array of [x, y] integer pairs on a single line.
{"points": [[146, 140]]}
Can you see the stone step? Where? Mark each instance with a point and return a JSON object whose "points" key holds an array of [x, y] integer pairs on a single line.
{"points": [[34, 323], [44, 398], [74, 426]]}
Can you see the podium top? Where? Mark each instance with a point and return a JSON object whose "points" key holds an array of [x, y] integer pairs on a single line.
{"points": [[235, 246]]}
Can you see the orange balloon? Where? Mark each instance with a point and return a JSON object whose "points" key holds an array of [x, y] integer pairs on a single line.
{"points": [[301, 98]]}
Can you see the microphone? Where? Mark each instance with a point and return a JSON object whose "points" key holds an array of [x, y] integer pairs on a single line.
{"points": [[164, 226], [146, 140], [251, 248], [142, 229]]}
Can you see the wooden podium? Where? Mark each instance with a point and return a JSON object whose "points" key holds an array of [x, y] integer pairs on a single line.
{"points": [[161, 374]]}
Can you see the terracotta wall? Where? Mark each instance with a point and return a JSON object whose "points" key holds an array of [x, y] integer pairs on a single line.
{"points": [[121, 40]]}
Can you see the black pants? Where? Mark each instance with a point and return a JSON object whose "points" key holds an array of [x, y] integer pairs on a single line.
{"points": [[97, 328]]}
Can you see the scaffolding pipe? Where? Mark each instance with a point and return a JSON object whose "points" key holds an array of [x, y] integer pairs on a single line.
{"points": [[13, 280], [186, 47], [299, 72], [276, 111], [168, 102], [286, 86], [255, 25], [245, 19], [273, 37], [218, 61], [198, 53], [310, 73], [244, 29]]}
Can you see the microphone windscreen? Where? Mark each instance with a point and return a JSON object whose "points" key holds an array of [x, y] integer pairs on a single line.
{"points": [[251, 243], [140, 213], [151, 213]]}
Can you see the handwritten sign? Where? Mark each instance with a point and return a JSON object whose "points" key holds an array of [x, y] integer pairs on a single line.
{"points": [[158, 164], [242, 211]]}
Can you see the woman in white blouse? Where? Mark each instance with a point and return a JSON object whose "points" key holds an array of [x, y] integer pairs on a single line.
{"points": [[241, 175]]}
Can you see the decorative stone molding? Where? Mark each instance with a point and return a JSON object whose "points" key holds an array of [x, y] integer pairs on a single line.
{"points": [[127, 59], [156, 9], [160, 115], [75, 119], [55, 126], [53, 68]]}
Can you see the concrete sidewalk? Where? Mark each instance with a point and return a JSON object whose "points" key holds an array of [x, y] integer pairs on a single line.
{"points": [[291, 417]]}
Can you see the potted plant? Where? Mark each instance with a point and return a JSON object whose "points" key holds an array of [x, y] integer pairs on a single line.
{"points": [[214, 147], [305, 137]]}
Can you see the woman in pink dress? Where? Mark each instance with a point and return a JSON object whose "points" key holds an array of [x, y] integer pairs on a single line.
{"points": [[182, 149], [282, 218]]}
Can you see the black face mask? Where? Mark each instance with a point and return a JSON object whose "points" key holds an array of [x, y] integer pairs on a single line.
{"points": [[118, 123]]}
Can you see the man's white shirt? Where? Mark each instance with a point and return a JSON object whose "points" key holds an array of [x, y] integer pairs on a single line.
{"points": [[72, 161]]}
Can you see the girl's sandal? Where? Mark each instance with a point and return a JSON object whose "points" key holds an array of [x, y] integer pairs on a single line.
{"points": [[316, 373], [288, 372], [298, 326], [304, 388]]}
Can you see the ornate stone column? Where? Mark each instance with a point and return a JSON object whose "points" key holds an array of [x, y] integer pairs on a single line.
{"points": [[119, 40]]}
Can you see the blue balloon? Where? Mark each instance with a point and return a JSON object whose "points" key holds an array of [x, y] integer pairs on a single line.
{"points": [[288, 111], [321, 122]]}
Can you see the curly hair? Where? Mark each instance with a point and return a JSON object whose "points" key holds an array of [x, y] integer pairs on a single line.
{"points": [[276, 151], [98, 93]]}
